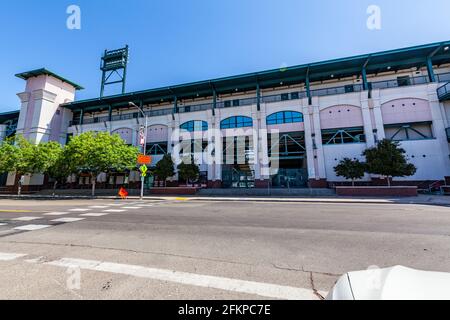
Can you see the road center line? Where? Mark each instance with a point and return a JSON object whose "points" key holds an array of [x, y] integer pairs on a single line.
{"points": [[234, 285]]}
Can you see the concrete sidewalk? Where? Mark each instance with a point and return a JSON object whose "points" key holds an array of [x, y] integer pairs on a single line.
{"points": [[421, 199]]}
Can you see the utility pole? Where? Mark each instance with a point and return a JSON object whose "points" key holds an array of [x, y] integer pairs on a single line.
{"points": [[132, 104]]}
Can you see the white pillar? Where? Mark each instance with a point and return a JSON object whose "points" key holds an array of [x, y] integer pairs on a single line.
{"points": [[264, 145], [368, 128], [177, 147], [378, 115], [24, 99], [322, 174], [170, 140], [256, 116], [309, 143], [207, 154], [44, 110], [218, 149], [134, 136]]}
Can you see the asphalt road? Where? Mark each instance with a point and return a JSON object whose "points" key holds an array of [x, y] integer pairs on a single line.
{"points": [[181, 249]]}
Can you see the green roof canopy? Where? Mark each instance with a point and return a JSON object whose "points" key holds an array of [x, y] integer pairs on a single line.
{"points": [[43, 71], [374, 63], [12, 115]]}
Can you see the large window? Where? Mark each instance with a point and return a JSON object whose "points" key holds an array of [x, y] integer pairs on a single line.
{"points": [[236, 122], [157, 149], [238, 150], [284, 117], [287, 146], [410, 131], [192, 146], [343, 136], [193, 126]]}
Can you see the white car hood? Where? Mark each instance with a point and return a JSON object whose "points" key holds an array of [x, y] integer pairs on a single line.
{"points": [[397, 283]]}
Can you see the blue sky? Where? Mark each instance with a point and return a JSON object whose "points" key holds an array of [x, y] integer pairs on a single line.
{"points": [[176, 41]]}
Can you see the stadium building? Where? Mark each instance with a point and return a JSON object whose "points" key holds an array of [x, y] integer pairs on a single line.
{"points": [[304, 118]]}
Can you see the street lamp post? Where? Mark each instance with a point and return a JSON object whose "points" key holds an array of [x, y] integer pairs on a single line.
{"points": [[145, 142]]}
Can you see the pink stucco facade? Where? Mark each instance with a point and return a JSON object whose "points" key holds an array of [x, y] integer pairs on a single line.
{"points": [[341, 116], [288, 127], [406, 111], [126, 134], [157, 133]]}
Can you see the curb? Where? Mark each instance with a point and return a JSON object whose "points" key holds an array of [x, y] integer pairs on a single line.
{"points": [[242, 199], [326, 201]]}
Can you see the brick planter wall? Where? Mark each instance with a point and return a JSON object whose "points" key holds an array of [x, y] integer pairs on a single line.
{"points": [[214, 184], [262, 184], [318, 184], [395, 191]]}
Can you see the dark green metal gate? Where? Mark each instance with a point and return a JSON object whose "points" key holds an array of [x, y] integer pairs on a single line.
{"points": [[238, 178]]}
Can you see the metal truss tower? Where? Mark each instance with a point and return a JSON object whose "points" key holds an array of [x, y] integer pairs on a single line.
{"points": [[114, 68]]}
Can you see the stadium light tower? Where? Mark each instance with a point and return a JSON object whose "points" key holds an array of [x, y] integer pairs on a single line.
{"points": [[114, 68]]}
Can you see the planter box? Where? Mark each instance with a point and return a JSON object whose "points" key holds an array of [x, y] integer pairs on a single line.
{"points": [[377, 191]]}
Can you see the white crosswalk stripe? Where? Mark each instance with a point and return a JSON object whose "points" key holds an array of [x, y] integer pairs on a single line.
{"points": [[32, 227], [56, 213], [234, 285], [114, 210], [26, 218], [79, 210], [10, 256], [93, 214], [67, 220]]}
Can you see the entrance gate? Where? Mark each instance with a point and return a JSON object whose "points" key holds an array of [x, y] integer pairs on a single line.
{"points": [[238, 177], [288, 152]]}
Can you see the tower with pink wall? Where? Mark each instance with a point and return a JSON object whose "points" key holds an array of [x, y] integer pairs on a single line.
{"points": [[41, 117]]}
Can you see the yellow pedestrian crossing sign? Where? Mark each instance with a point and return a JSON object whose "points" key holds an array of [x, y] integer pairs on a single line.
{"points": [[144, 170]]}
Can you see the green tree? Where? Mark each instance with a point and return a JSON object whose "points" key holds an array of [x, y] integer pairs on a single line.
{"points": [[9, 154], [350, 169], [95, 153], [165, 168], [23, 157], [57, 165], [388, 159], [46, 155], [189, 171], [20, 156]]}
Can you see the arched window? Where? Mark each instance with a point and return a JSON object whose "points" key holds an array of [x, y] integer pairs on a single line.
{"points": [[284, 117], [236, 122], [193, 126]]}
